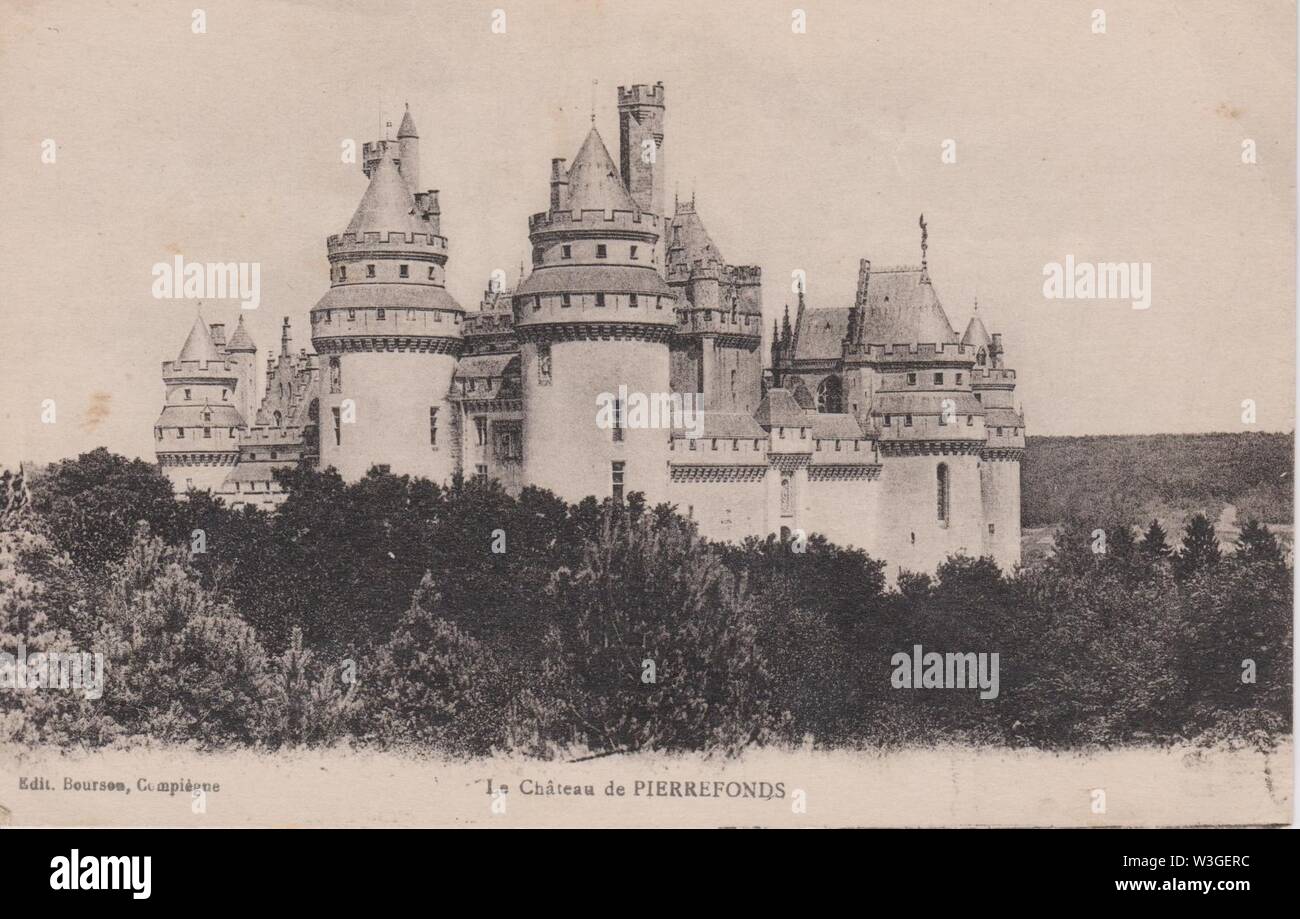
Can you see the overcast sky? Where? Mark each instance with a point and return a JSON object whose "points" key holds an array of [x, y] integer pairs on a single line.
{"points": [[805, 151]]}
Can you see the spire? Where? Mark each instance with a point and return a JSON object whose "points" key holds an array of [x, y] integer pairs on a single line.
{"points": [[407, 127], [387, 205], [785, 324], [976, 335], [594, 183], [241, 340], [199, 346], [925, 235], [284, 338]]}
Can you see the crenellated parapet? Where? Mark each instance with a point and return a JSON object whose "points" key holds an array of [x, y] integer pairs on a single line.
{"points": [[947, 353], [199, 371], [426, 246], [594, 224]]}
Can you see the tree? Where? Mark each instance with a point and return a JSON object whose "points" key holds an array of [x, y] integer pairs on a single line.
{"points": [[89, 506], [1200, 549], [432, 685], [1155, 543], [653, 645], [1256, 543]]}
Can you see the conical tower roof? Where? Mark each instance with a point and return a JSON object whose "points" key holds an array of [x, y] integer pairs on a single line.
{"points": [[976, 334], [594, 183], [199, 346], [387, 206], [241, 340], [407, 127]]}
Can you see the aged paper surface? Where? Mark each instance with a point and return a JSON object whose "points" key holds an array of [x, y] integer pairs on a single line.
{"points": [[604, 414]]}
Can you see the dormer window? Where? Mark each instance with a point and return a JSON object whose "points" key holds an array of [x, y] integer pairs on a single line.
{"points": [[600, 250]]}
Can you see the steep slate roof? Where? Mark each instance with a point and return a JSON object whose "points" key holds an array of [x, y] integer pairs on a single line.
{"points": [[836, 426], [199, 346], [727, 424], [1002, 417], [901, 310], [976, 334], [594, 183], [821, 333], [241, 340], [407, 128], [388, 205], [778, 409], [487, 365], [687, 231]]}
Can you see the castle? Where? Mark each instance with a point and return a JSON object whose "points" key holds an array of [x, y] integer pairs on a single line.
{"points": [[875, 423]]}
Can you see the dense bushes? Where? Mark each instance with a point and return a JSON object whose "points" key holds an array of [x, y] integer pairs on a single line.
{"points": [[462, 621]]}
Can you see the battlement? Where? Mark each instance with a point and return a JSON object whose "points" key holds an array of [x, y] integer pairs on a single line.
{"points": [[397, 243], [719, 322], [634, 221], [641, 94], [212, 370], [989, 375], [914, 353]]}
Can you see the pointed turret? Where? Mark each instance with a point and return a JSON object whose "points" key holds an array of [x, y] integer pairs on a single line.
{"points": [[975, 334], [199, 346], [241, 340], [388, 205], [408, 145], [594, 183]]}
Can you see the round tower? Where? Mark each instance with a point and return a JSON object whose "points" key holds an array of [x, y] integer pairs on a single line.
{"points": [[388, 332], [196, 437], [995, 386], [242, 352], [594, 320]]}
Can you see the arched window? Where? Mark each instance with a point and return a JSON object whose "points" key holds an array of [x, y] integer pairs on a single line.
{"points": [[943, 493], [733, 385], [277, 419], [981, 356], [830, 396]]}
